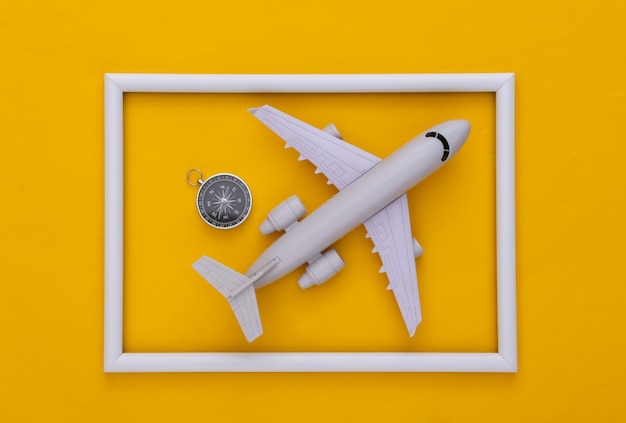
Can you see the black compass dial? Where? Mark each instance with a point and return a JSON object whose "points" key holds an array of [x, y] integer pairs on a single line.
{"points": [[224, 201]]}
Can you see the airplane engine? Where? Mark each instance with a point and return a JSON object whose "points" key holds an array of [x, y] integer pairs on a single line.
{"points": [[283, 216], [321, 269]]}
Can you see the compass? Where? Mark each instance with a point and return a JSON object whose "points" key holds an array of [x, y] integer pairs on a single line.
{"points": [[223, 200]]}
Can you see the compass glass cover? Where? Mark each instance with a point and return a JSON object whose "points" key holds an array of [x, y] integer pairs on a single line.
{"points": [[224, 201]]}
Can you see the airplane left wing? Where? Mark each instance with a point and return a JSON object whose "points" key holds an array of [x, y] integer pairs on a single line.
{"points": [[390, 229], [340, 161]]}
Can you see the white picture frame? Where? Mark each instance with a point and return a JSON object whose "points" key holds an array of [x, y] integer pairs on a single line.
{"points": [[504, 360]]}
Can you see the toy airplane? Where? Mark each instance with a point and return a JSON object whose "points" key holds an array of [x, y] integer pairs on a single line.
{"points": [[372, 192]]}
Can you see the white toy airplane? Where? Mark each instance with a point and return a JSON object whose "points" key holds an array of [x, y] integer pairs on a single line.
{"points": [[372, 192]]}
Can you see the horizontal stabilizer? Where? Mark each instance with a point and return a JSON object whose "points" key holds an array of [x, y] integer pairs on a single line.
{"points": [[238, 290]]}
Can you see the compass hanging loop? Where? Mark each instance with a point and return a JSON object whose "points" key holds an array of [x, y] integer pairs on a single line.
{"points": [[198, 181]]}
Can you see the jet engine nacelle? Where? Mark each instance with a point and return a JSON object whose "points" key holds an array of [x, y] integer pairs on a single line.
{"points": [[283, 216], [322, 268]]}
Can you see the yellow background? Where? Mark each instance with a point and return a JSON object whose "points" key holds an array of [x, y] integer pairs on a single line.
{"points": [[571, 102]]}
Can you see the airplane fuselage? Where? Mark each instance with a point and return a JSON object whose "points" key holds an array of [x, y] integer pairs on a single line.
{"points": [[360, 200]]}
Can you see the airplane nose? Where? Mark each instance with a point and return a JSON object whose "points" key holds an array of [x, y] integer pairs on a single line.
{"points": [[452, 135], [456, 133], [461, 130]]}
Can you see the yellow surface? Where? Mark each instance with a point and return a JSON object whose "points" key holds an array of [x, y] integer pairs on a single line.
{"points": [[571, 103]]}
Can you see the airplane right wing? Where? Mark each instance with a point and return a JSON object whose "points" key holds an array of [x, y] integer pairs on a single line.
{"points": [[340, 161], [390, 229]]}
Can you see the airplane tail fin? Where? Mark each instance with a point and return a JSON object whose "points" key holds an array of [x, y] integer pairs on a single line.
{"points": [[238, 290]]}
